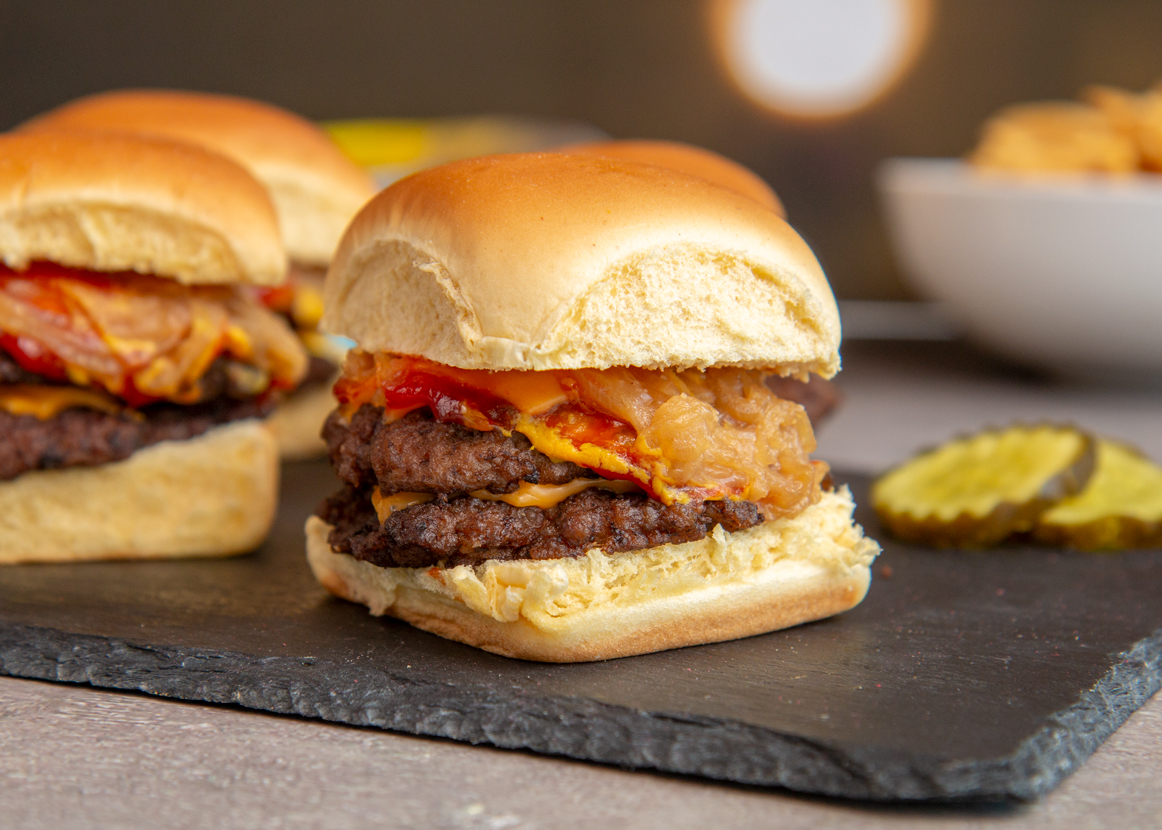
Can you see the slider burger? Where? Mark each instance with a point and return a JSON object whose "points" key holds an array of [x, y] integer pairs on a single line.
{"points": [[134, 365], [554, 437], [315, 189]]}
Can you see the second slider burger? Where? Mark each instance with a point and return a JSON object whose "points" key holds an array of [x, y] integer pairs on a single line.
{"points": [[134, 364], [315, 189], [554, 435]]}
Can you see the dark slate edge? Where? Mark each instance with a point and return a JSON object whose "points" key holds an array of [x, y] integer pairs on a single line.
{"points": [[1044, 759], [585, 729]]}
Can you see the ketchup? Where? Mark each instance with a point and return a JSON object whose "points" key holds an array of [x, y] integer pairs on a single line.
{"points": [[278, 298], [135, 398], [449, 400], [581, 426], [34, 357]]}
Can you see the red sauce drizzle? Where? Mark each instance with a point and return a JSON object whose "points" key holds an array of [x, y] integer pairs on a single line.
{"points": [[33, 357], [278, 298]]}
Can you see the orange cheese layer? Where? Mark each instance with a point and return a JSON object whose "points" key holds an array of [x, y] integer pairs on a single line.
{"points": [[550, 495], [386, 505], [526, 495], [49, 401], [681, 435]]}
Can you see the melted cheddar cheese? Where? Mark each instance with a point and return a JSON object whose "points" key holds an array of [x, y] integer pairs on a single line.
{"points": [[386, 505], [545, 496], [49, 401]]}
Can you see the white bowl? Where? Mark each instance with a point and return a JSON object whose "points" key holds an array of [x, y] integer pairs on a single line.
{"points": [[1061, 273]]}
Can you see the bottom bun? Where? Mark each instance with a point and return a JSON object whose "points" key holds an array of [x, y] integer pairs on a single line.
{"points": [[212, 495], [298, 422], [601, 606]]}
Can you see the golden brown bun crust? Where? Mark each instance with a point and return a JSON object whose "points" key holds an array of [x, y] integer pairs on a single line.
{"points": [[213, 495], [687, 158], [298, 422], [555, 261], [122, 203], [600, 607], [316, 189]]}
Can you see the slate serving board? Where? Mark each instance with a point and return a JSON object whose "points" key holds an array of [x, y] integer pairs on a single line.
{"points": [[962, 676]]}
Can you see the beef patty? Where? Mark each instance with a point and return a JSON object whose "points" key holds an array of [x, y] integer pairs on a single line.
{"points": [[86, 437], [467, 530], [816, 395], [418, 454]]}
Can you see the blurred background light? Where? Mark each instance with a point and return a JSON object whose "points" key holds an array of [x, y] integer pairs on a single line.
{"points": [[818, 58], [641, 69]]}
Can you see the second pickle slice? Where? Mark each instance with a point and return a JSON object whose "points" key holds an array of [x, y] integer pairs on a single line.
{"points": [[1121, 507]]}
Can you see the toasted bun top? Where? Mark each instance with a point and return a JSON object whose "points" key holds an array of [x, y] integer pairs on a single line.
{"points": [[686, 158], [556, 261], [123, 203], [315, 188]]}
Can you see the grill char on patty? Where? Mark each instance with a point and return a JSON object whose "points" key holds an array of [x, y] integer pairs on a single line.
{"points": [[418, 454]]}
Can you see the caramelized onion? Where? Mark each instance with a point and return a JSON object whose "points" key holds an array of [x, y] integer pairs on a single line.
{"points": [[715, 428], [142, 336]]}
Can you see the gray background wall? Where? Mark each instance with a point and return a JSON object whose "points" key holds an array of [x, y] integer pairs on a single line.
{"points": [[632, 67]]}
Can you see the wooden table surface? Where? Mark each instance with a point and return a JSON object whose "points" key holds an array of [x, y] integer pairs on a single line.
{"points": [[74, 757]]}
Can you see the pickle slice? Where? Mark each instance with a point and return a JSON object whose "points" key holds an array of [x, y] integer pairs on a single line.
{"points": [[1120, 507], [977, 490]]}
